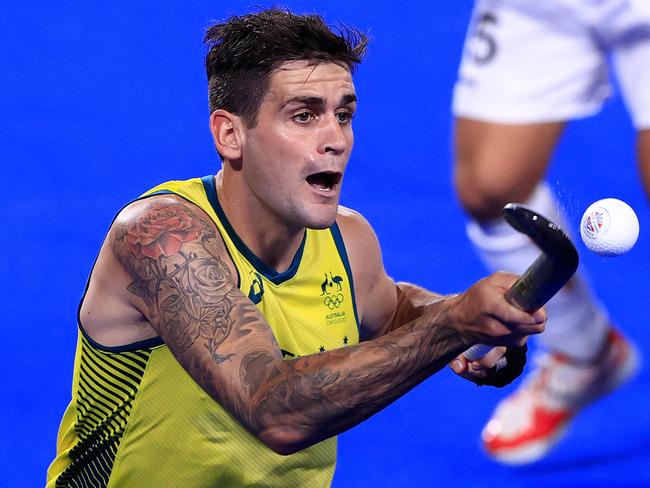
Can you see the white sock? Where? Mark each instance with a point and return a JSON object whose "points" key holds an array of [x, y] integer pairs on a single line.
{"points": [[577, 323]]}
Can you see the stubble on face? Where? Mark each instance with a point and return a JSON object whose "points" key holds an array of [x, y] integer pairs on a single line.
{"points": [[296, 154]]}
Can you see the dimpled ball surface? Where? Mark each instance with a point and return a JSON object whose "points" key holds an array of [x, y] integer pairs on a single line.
{"points": [[609, 227]]}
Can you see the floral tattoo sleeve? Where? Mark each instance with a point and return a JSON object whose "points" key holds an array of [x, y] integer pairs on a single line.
{"points": [[175, 259]]}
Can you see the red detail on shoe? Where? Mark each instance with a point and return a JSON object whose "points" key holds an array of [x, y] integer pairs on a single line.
{"points": [[545, 424]]}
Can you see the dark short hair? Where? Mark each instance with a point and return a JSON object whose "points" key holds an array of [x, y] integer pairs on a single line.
{"points": [[244, 51]]}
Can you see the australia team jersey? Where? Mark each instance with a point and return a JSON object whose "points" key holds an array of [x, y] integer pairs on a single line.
{"points": [[137, 419]]}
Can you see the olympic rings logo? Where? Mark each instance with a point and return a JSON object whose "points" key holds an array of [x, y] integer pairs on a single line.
{"points": [[333, 301]]}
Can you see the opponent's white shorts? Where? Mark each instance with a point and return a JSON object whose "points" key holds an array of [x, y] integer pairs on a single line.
{"points": [[531, 61]]}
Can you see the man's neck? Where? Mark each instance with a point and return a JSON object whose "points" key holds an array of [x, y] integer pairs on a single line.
{"points": [[270, 239]]}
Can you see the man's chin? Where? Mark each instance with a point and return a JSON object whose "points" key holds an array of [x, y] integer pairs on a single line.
{"points": [[322, 220], [322, 224]]}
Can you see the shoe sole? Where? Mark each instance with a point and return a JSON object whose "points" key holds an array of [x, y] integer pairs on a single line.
{"points": [[532, 451]]}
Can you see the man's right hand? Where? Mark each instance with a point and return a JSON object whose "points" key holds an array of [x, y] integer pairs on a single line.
{"points": [[482, 315]]}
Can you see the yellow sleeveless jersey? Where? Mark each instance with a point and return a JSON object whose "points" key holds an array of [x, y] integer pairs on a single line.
{"points": [[137, 419]]}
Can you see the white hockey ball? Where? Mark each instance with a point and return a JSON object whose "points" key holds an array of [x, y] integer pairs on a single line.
{"points": [[609, 227]]}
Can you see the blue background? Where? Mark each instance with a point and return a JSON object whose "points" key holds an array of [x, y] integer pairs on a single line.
{"points": [[102, 100]]}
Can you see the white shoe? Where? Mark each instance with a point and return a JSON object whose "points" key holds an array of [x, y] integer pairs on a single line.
{"points": [[528, 423]]}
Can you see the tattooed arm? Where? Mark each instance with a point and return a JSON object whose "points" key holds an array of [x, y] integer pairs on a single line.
{"points": [[386, 306], [184, 284]]}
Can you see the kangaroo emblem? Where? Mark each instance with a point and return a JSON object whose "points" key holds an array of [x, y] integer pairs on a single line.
{"points": [[325, 284]]}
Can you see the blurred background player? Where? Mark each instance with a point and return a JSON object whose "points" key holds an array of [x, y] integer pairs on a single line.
{"points": [[528, 68]]}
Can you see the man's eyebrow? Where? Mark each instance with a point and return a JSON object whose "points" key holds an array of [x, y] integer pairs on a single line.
{"points": [[347, 99], [318, 101], [304, 100]]}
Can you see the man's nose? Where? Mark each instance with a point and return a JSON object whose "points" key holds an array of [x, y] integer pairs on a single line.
{"points": [[333, 139]]}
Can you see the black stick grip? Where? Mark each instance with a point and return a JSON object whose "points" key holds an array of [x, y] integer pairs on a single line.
{"points": [[550, 271]]}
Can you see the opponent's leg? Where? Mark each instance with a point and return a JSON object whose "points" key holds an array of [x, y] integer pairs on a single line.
{"points": [[501, 163], [532, 64], [585, 358], [630, 55], [643, 158]]}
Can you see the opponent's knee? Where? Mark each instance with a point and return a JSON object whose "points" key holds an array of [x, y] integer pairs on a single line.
{"points": [[481, 196]]}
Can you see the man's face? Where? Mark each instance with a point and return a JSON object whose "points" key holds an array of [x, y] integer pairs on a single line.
{"points": [[294, 158]]}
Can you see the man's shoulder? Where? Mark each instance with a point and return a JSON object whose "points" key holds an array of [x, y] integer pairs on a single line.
{"points": [[164, 227], [141, 207], [151, 221], [350, 220], [374, 290], [167, 191], [180, 186], [358, 235]]}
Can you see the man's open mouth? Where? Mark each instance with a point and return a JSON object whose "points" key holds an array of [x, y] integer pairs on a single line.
{"points": [[325, 180]]}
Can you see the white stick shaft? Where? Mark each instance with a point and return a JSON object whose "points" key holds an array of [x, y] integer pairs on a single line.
{"points": [[477, 351]]}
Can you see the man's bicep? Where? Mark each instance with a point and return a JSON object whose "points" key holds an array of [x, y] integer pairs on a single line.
{"points": [[184, 286], [380, 307]]}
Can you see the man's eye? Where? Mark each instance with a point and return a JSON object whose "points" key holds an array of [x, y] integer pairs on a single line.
{"points": [[344, 117], [303, 117]]}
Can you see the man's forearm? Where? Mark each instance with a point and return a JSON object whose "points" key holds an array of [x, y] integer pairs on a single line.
{"points": [[309, 399], [413, 302]]}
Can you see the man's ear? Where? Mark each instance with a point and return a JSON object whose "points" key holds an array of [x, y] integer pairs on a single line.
{"points": [[227, 133]]}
